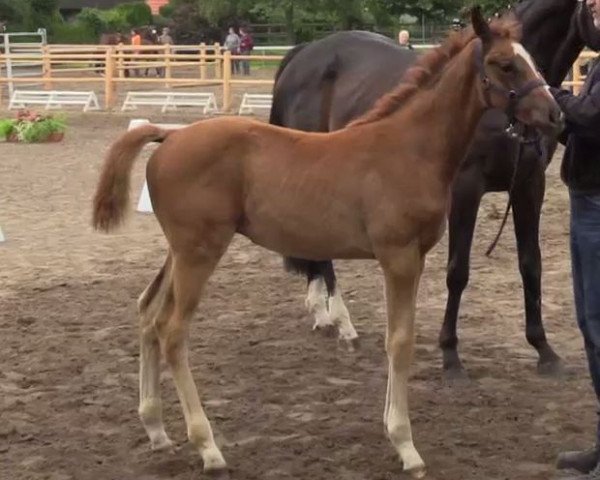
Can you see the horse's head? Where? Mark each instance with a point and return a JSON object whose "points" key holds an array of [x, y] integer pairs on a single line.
{"points": [[150, 34], [589, 33], [510, 80]]}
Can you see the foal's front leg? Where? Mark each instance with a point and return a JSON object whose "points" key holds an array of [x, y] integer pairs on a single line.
{"points": [[402, 270]]}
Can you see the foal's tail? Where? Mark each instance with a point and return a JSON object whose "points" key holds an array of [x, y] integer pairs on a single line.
{"points": [[112, 192]]}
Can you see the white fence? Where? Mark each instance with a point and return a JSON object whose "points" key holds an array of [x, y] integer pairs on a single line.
{"points": [[16, 44]]}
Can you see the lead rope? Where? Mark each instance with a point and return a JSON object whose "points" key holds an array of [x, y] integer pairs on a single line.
{"points": [[522, 143]]}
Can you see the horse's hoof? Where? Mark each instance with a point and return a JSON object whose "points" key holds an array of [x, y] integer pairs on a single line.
{"points": [[552, 368], [328, 330], [456, 376]]}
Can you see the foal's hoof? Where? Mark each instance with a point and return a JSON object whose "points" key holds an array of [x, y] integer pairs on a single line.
{"points": [[349, 344], [162, 443], [328, 330], [221, 474], [552, 368], [419, 472], [213, 460]]}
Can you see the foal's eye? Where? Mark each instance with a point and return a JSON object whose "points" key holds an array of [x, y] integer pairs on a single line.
{"points": [[507, 67]]}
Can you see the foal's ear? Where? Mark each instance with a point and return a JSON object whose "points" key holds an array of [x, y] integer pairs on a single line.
{"points": [[480, 26]]}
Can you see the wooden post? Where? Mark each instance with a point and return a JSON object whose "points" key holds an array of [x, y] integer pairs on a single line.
{"points": [[203, 61], [217, 60], [120, 69], [109, 84], [168, 72], [226, 81], [46, 67]]}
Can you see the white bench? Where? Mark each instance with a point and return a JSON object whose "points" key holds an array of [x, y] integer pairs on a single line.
{"points": [[53, 98], [173, 100], [251, 101]]}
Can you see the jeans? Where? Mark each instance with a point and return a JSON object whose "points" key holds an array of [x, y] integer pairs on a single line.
{"points": [[245, 64], [585, 264]]}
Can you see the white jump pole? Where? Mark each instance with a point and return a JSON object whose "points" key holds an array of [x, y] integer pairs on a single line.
{"points": [[144, 203], [2, 239]]}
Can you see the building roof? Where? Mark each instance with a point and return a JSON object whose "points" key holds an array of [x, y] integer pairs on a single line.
{"points": [[156, 4]]}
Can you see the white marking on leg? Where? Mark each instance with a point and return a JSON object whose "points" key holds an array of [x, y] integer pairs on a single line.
{"points": [[402, 273], [150, 408], [339, 315], [397, 420], [316, 303]]}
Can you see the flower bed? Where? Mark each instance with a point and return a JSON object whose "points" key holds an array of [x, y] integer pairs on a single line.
{"points": [[32, 127]]}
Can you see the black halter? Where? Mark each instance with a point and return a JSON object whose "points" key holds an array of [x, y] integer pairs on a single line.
{"points": [[513, 96]]}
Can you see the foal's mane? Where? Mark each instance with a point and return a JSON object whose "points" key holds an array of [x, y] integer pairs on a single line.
{"points": [[428, 68]]}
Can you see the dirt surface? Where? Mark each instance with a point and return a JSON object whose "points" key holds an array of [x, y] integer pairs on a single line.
{"points": [[286, 403]]}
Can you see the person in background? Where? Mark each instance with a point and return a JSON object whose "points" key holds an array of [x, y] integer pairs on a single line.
{"points": [[404, 39], [246, 47], [136, 41], [232, 44], [166, 38]]}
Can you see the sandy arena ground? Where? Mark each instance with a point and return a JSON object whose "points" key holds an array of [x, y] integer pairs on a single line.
{"points": [[286, 403]]}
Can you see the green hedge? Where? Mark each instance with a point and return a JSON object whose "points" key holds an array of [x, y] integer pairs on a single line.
{"points": [[73, 33]]}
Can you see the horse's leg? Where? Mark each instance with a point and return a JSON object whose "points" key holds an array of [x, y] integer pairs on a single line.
{"points": [[191, 269], [402, 270], [527, 200], [338, 313], [156, 299], [466, 197], [316, 297]]}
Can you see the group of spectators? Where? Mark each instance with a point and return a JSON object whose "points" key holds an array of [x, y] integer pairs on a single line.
{"points": [[239, 44]]}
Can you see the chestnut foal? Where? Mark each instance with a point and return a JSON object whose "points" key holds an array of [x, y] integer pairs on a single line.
{"points": [[381, 186]]}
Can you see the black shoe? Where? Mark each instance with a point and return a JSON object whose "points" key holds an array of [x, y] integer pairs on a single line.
{"points": [[584, 461]]}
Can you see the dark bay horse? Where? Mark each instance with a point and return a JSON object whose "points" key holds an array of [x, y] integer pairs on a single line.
{"points": [[382, 185], [323, 85], [149, 36]]}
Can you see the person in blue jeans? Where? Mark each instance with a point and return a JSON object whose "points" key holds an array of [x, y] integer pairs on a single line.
{"points": [[580, 170]]}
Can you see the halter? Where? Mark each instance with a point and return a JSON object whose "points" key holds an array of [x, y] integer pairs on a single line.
{"points": [[513, 96]]}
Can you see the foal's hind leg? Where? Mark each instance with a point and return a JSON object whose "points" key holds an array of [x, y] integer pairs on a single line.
{"points": [[527, 202], [466, 197], [156, 299], [191, 270]]}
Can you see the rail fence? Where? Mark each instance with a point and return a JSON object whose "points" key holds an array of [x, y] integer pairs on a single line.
{"points": [[115, 69]]}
